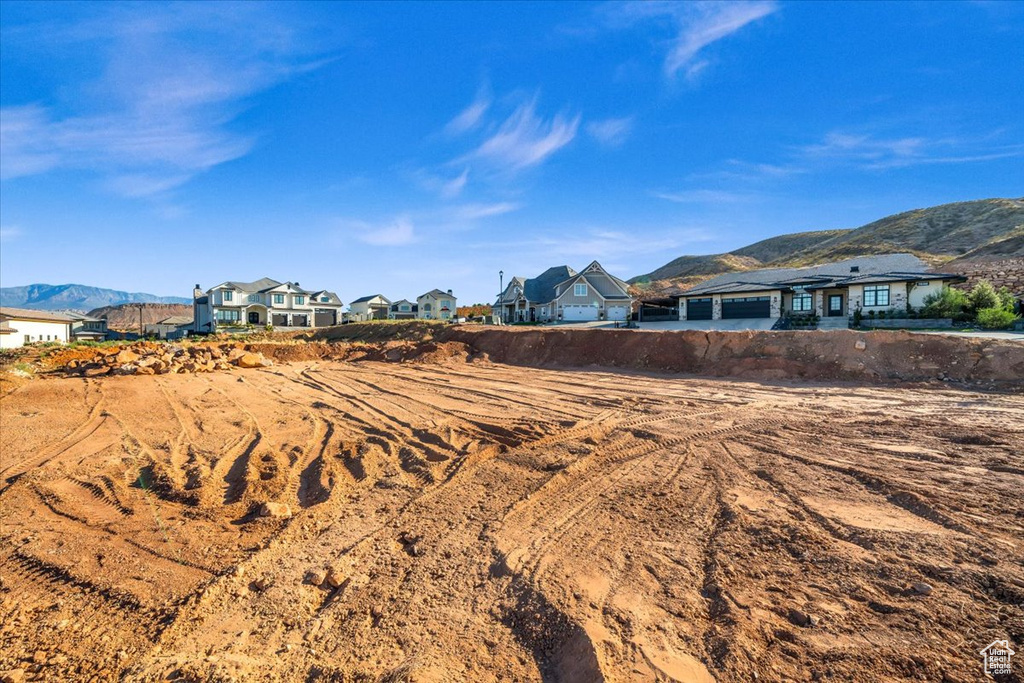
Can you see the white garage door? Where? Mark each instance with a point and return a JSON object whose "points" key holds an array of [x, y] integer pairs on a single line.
{"points": [[617, 312], [579, 313]]}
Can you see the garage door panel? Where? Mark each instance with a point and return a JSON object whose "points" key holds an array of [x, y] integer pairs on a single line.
{"points": [[698, 309], [579, 313], [617, 312], [747, 307]]}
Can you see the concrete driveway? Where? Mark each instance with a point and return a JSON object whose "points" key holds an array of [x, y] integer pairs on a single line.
{"points": [[741, 324]]}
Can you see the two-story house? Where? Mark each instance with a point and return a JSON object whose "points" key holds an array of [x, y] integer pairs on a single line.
{"points": [[372, 307], [87, 328], [234, 305], [436, 305], [402, 310], [561, 293]]}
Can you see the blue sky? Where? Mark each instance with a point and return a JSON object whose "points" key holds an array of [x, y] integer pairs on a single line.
{"points": [[398, 147]]}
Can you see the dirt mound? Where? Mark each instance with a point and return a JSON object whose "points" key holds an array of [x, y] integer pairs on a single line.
{"points": [[152, 358]]}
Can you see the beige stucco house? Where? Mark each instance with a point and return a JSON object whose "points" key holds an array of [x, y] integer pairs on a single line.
{"points": [[372, 307], [436, 305]]}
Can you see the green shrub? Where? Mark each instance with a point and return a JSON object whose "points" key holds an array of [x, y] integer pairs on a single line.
{"points": [[857, 317], [995, 318], [946, 303], [983, 295]]}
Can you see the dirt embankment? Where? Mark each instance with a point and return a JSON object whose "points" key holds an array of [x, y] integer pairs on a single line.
{"points": [[835, 355], [841, 355]]}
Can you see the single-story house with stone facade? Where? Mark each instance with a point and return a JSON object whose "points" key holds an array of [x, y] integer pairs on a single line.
{"points": [[878, 283]]}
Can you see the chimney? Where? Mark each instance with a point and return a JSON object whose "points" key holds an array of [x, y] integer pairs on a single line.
{"points": [[449, 292], [197, 292]]}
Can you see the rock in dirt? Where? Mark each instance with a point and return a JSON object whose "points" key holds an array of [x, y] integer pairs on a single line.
{"points": [[335, 577], [316, 577], [12, 676], [922, 588], [801, 618], [275, 510], [860, 345], [252, 360]]}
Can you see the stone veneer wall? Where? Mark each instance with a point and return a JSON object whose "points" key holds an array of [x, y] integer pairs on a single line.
{"points": [[1001, 273]]}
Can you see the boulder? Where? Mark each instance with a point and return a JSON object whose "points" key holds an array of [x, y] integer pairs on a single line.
{"points": [[127, 356], [251, 360], [97, 371], [275, 510]]}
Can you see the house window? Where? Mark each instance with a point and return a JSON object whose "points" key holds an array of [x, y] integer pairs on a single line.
{"points": [[279, 298], [446, 304], [254, 298], [579, 289], [229, 295], [404, 308], [876, 295], [300, 300], [801, 302], [426, 307], [228, 316], [325, 299]]}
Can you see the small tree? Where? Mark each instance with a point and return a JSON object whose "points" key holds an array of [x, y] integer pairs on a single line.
{"points": [[984, 295], [946, 303]]}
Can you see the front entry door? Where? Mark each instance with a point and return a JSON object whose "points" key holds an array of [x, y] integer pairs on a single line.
{"points": [[835, 304], [254, 318]]}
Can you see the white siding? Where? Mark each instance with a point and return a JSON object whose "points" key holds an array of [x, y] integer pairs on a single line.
{"points": [[36, 331]]}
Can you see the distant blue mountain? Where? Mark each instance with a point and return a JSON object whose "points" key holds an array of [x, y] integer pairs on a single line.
{"points": [[77, 297]]}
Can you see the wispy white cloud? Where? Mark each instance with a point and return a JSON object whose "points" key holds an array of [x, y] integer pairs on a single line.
{"points": [[873, 152], [705, 196], [696, 25], [172, 81], [473, 212], [454, 187], [610, 132], [470, 117], [397, 232], [524, 139], [9, 233]]}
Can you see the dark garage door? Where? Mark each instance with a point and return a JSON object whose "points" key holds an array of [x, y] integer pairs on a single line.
{"points": [[747, 307], [324, 317], [698, 309], [280, 320]]}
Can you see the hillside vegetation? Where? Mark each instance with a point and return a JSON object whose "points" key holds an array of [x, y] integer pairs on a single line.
{"points": [[986, 228]]}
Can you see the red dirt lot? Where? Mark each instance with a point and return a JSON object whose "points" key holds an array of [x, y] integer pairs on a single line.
{"points": [[454, 519]]}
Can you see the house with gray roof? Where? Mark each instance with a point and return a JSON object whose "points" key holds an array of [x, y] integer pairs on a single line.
{"points": [[235, 305], [436, 305], [403, 309], [561, 293], [20, 326], [372, 307], [828, 290]]}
